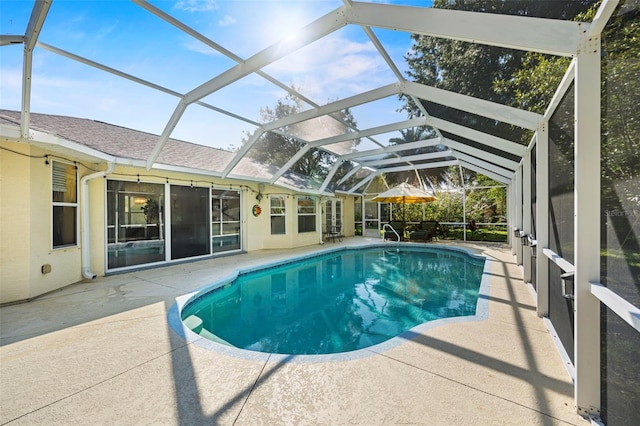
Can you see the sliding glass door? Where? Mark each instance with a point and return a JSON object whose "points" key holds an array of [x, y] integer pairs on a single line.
{"points": [[135, 223], [225, 220], [190, 224]]}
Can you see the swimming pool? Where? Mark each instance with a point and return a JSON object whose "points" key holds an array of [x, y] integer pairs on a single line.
{"points": [[338, 301]]}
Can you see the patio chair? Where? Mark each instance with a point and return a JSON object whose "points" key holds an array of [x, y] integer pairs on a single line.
{"points": [[398, 226], [427, 231]]}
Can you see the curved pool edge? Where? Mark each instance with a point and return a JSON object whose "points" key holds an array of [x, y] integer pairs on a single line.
{"points": [[177, 325]]}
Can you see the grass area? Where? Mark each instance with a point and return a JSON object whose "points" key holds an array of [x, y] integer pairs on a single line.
{"points": [[631, 257], [492, 235]]}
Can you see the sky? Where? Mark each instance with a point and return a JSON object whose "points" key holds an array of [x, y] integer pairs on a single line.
{"points": [[124, 36]]}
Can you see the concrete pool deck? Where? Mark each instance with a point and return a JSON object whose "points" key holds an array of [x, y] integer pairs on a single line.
{"points": [[102, 352]]}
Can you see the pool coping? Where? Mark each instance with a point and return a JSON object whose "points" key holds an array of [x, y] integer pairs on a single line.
{"points": [[177, 325]]}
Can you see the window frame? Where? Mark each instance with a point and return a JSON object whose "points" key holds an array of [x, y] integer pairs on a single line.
{"points": [[73, 205], [306, 211], [277, 211]]}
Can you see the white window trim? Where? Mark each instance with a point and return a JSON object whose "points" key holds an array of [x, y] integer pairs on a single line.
{"points": [[63, 204], [283, 214], [314, 214]]}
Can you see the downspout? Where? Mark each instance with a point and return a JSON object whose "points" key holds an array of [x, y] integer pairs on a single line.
{"points": [[319, 221], [86, 241]]}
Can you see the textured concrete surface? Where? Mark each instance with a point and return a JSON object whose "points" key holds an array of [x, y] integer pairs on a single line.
{"points": [[102, 352]]}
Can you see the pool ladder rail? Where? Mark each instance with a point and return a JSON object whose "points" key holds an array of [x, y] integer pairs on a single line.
{"points": [[388, 226]]}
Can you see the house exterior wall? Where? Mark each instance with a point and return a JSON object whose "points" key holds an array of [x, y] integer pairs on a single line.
{"points": [[25, 223], [348, 211], [15, 222], [26, 219]]}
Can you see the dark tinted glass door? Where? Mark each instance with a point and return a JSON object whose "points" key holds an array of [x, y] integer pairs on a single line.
{"points": [[189, 222]]}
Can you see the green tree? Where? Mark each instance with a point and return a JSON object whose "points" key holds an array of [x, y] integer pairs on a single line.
{"points": [[472, 69], [413, 134], [535, 83], [276, 148], [486, 199]]}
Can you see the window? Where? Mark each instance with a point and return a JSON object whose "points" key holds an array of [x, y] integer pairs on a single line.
{"points": [[306, 214], [64, 187], [278, 214], [225, 220]]}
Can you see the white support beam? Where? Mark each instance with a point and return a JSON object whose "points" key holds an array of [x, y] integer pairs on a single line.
{"points": [[166, 133], [586, 238], [351, 172], [488, 173], [408, 159], [526, 214], [477, 136], [433, 165], [625, 310], [381, 50], [314, 31], [7, 39], [362, 182], [518, 212], [308, 34], [604, 13], [542, 219], [562, 88], [34, 26], [330, 176], [355, 156], [36, 21], [293, 160], [414, 122], [140, 81], [484, 164], [105, 68], [551, 36], [362, 98], [215, 46], [506, 114], [242, 152], [483, 155], [511, 212]]}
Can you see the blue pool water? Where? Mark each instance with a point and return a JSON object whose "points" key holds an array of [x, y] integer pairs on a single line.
{"points": [[337, 302]]}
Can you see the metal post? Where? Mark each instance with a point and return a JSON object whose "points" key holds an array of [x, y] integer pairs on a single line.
{"points": [[464, 205], [510, 213], [587, 226], [518, 213], [542, 218], [526, 213]]}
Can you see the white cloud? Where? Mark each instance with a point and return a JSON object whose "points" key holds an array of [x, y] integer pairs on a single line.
{"points": [[226, 21], [197, 5], [199, 47], [333, 68]]}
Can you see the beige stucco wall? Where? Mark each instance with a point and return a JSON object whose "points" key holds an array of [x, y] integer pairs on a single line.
{"points": [[15, 223], [97, 224], [25, 228], [26, 211]]}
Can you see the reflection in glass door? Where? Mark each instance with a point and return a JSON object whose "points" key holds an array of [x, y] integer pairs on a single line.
{"points": [[225, 220], [333, 217], [135, 223], [190, 224], [376, 215]]}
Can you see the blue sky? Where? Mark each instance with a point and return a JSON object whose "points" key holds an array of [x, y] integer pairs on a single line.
{"points": [[122, 35]]}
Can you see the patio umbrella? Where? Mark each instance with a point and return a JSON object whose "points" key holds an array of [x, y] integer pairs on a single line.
{"points": [[404, 193]]}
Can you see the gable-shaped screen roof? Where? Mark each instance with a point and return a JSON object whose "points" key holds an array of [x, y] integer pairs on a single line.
{"points": [[185, 70]]}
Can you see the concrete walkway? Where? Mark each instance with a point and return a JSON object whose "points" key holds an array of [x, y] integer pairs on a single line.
{"points": [[102, 353]]}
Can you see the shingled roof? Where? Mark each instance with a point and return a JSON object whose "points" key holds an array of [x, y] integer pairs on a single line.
{"points": [[131, 144]]}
